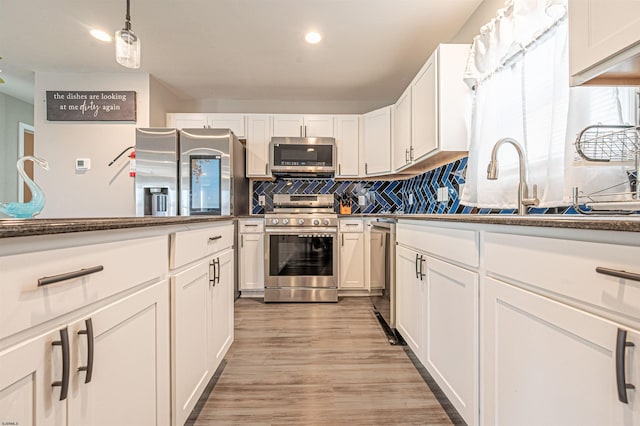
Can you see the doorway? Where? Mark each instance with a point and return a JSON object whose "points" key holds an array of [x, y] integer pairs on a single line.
{"points": [[25, 147]]}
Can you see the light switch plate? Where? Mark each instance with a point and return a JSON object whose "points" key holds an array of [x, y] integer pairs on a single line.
{"points": [[261, 200], [410, 199], [443, 194]]}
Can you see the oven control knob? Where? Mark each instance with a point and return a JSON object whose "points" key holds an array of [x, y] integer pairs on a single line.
{"points": [[274, 221], [300, 221], [326, 222], [316, 222], [285, 221]]}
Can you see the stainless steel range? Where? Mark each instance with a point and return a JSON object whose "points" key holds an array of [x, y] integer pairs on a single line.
{"points": [[301, 250]]}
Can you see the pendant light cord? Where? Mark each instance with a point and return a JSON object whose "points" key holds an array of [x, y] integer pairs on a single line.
{"points": [[127, 19]]}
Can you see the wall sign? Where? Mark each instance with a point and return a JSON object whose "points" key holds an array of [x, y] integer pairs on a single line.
{"points": [[71, 105]]}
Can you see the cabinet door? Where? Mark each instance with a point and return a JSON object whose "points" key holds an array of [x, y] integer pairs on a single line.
{"points": [[545, 363], [410, 294], [599, 30], [424, 101], [288, 125], [258, 137], [191, 328], [352, 260], [451, 334], [318, 126], [235, 122], [130, 376], [402, 130], [347, 144], [27, 371], [221, 309], [251, 262], [377, 141], [187, 121]]}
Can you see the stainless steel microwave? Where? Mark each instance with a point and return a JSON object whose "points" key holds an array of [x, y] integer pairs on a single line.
{"points": [[302, 156]]}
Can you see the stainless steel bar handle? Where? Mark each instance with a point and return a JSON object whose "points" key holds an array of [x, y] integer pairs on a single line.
{"points": [[212, 276], [266, 169], [64, 383], [68, 275], [618, 273], [250, 224], [218, 270], [217, 237], [241, 241], [411, 153], [417, 273], [88, 330], [366, 168], [301, 134], [422, 274], [621, 381], [406, 155], [305, 130], [342, 235], [339, 169]]}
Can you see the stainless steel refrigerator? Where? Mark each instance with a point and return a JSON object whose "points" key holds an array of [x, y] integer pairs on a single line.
{"points": [[190, 172]]}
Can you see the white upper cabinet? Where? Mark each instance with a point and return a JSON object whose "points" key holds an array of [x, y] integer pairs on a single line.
{"points": [[604, 42], [440, 104], [377, 142], [402, 130], [347, 140], [258, 137], [235, 122], [293, 125]]}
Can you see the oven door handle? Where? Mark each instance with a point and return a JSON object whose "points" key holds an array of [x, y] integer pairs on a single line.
{"points": [[297, 231]]}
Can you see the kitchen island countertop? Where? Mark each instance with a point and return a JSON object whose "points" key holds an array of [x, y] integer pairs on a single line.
{"points": [[29, 227]]}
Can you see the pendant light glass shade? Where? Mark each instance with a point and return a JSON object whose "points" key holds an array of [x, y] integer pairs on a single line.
{"points": [[127, 44], [127, 48]]}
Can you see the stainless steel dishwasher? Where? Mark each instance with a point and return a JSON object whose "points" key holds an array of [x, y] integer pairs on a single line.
{"points": [[382, 251]]}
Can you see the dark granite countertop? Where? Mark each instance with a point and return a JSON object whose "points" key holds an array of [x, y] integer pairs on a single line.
{"points": [[28, 227]]}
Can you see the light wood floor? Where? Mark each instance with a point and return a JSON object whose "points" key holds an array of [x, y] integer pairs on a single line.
{"points": [[316, 364]]}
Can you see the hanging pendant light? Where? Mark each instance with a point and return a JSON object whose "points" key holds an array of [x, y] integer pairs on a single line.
{"points": [[127, 45]]}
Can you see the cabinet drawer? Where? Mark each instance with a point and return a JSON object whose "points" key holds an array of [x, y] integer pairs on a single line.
{"points": [[188, 246], [459, 245], [251, 226], [24, 304], [568, 268], [351, 225]]}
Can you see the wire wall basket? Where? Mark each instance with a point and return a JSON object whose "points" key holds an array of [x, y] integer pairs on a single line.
{"points": [[610, 143], [601, 143]]}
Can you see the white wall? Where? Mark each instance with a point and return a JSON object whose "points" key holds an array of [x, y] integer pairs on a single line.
{"points": [[485, 12], [162, 101], [101, 191], [12, 112]]}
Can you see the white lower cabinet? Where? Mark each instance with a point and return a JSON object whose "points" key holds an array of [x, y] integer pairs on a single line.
{"points": [[410, 292], [116, 360], [451, 334], [546, 363], [251, 255], [190, 327], [202, 295], [352, 260]]}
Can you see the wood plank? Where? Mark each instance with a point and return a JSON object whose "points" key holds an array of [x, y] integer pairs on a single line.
{"points": [[296, 364]]}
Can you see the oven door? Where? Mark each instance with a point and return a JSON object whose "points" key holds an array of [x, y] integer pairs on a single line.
{"points": [[301, 257]]}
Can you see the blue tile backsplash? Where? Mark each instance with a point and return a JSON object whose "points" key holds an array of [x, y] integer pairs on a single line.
{"points": [[389, 196]]}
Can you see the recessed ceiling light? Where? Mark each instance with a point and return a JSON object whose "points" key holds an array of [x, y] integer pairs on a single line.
{"points": [[100, 35], [313, 37]]}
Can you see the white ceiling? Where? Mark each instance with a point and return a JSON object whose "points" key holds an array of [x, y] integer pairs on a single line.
{"points": [[239, 49]]}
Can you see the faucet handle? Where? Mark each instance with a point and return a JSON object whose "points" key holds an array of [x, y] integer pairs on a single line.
{"points": [[533, 201]]}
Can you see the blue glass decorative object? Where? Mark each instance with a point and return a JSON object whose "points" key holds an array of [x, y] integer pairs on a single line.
{"points": [[33, 207]]}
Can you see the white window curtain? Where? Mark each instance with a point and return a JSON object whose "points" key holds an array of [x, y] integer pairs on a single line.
{"points": [[518, 66]]}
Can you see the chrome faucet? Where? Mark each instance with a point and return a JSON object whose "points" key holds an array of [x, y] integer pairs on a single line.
{"points": [[523, 190]]}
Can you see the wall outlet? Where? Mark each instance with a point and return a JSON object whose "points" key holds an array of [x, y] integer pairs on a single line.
{"points": [[362, 200], [443, 194], [410, 199], [262, 200]]}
